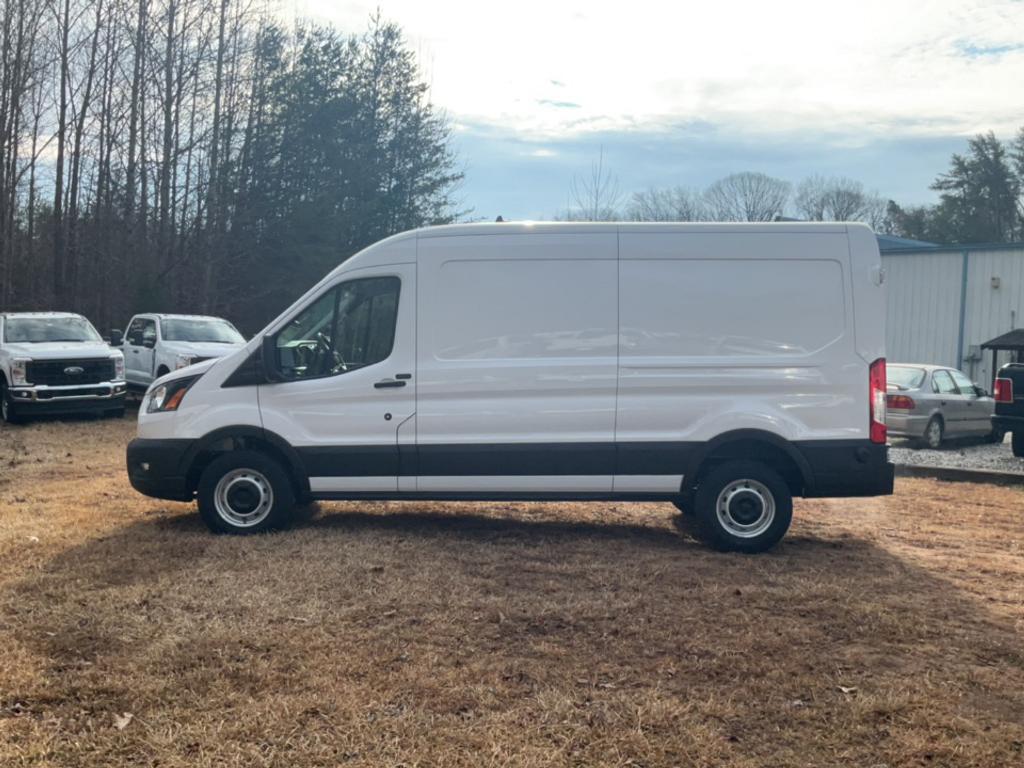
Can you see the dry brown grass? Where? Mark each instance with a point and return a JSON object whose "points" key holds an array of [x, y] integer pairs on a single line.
{"points": [[881, 632]]}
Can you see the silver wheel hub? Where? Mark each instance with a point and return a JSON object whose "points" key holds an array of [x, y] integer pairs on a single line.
{"points": [[745, 508], [243, 498]]}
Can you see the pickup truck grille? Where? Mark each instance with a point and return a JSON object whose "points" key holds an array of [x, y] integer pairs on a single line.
{"points": [[61, 373]]}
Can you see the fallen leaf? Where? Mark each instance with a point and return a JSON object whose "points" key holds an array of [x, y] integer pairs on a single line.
{"points": [[844, 689], [121, 721]]}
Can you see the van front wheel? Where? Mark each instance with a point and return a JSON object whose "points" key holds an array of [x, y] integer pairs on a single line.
{"points": [[742, 506], [244, 492]]}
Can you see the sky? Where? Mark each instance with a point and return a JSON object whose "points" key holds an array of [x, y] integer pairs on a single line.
{"points": [[681, 92]]}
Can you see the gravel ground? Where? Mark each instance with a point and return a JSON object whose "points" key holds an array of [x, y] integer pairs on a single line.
{"points": [[962, 454]]}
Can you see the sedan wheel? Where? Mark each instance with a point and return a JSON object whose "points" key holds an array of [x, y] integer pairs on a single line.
{"points": [[933, 434]]}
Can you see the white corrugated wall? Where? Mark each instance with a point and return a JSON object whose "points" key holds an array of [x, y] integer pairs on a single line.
{"points": [[924, 305]]}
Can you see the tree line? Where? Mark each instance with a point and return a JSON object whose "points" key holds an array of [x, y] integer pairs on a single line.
{"points": [[179, 155], [981, 199], [744, 196]]}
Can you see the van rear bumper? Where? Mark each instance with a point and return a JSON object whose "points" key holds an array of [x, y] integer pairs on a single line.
{"points": [[847, 468]]}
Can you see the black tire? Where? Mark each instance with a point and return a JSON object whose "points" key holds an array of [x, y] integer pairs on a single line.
{"points": [[163, 370], [1017, 443], [115, 413], [997, 435], [934, 432], [260, 498], [756, 507], [8, 410]]}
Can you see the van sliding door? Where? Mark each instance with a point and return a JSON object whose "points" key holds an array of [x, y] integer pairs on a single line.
{"points": [[516, 359]]}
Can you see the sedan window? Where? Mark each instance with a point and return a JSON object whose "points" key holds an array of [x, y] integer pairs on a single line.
{"points": [[964, 384], [942, 383], [904, 377]]}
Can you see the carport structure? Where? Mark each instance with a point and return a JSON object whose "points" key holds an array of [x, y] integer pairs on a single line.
{"points": [[1011, 341]]}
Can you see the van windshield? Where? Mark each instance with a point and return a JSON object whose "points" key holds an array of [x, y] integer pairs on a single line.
{"points": [[204, 329], [39, 330], [903, 377]]}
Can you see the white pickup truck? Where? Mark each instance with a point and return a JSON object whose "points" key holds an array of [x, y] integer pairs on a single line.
{"points": [[156, 344], [56, 362]]}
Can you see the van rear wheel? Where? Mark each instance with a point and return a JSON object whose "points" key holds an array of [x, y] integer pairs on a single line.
{"points": [[1017, 443], [742, 506], [243, 492]]}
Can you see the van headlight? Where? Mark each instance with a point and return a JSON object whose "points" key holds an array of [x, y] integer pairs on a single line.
{"points": [[167, 397], [183, 361], [19, 367], [118, 366]]}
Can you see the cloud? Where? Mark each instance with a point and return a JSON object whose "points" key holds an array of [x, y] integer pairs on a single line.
{"points": [[779, 68]]}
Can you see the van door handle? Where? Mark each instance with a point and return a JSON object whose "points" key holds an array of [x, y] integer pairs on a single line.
{"points": [[388, 384]]}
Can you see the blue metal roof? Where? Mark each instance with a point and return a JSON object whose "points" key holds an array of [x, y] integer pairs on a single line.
{"points": [[893, 243]]}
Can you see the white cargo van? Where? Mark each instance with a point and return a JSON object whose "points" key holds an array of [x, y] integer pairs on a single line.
{"points": [[726, 368]]}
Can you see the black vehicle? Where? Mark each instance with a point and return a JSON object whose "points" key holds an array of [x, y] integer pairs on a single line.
{"points": [[1009, 396]]}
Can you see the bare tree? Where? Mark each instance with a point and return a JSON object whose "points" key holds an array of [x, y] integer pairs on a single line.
{"points": [[674, 204], [838, 199], [595, 197], [747, 197]]}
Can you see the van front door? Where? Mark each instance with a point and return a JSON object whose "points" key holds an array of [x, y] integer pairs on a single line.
{"points": [[348, 388]]}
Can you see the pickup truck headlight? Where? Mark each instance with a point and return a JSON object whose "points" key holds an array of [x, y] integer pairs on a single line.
{"points": [[183, 361], [18, 371], [118, 366], [167, 397]]}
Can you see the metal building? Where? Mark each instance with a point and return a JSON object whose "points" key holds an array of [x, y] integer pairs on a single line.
{"points": [[946, 301]]}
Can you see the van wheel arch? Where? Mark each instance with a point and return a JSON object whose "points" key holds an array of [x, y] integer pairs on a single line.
{"points": [[246, 438], [750, 445]]}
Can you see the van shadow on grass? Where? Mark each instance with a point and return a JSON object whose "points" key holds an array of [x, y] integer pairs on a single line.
{"points": [[539, 613]]}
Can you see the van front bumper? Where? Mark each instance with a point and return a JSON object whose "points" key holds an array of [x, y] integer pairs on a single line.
{"points": [[157, 467]]}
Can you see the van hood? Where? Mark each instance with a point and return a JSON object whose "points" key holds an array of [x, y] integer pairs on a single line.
{"points": [[197, 369], [60, 350], [200, 348]]}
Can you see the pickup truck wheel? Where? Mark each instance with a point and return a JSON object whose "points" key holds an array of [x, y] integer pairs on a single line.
{"points": [[932, 437], [1017, 443], [742, 506], [8, 411], [243, 492]]}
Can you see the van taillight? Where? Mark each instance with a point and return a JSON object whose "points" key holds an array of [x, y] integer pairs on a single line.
{"points": [[876, 401], [1004, 391], [899, 402]]}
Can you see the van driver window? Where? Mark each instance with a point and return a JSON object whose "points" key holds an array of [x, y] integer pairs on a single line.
{"points": [[349, 327]]}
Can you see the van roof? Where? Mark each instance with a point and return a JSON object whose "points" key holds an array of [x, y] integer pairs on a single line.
{"points": [[514, 227]]}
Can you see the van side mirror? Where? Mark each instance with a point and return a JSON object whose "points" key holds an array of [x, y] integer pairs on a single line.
{"points": [[268, 355], [116, 337]]}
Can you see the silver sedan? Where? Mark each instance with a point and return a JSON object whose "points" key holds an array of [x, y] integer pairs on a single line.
{"points": [[930, 403]]}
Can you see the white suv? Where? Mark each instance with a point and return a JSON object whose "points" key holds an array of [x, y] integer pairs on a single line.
{"points": [[56, 362], [156, 344]]}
